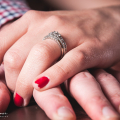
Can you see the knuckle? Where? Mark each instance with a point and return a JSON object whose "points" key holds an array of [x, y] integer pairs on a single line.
{"points": [[12, 60], [56, 19], [32, 15], [104, 76], [58, 97], [98, 99], [41, 51], [79, 57], [115, 96], [86, 75]]}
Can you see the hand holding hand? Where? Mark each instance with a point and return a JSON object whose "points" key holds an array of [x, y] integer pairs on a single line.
{"points": [[87, 37]]}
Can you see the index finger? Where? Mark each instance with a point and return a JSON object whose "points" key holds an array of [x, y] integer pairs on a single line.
{"points": [[72, 63]]}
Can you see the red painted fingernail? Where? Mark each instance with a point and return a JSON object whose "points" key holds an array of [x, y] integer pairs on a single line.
{"points": [[43, 81], [18, 100]]}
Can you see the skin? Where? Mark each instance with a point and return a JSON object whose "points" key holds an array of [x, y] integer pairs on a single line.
{"points": [[27, 57], [4, 92]]}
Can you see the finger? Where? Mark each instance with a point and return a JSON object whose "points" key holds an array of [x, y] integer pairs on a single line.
{"points": [[55, 104], [73, 62], [4, 92], [115, 73], [15, 57], [38, 60], [9, 35], [110, 86], [88, 94]]}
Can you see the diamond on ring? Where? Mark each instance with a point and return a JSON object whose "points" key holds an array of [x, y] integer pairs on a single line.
{"points": [[58, 38]]}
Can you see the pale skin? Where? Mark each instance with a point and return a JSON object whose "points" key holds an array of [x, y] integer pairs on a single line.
{"points": [[92, 37]]}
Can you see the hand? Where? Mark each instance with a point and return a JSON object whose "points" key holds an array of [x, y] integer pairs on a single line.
{"points": [[22, 64], [97, 91], [4, 92]]}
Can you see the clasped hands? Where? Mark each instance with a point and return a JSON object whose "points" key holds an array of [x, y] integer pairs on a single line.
{"points": [[93, 41]]}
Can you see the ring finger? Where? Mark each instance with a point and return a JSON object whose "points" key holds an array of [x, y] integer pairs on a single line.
{"points": [[110, 86]]}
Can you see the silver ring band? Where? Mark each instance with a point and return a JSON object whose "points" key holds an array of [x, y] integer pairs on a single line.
{"points": [[58, 38]]}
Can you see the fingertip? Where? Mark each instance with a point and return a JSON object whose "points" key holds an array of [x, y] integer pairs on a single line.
{"points": [[110, 114], [55, 104], [64, 113], [18, 100]]}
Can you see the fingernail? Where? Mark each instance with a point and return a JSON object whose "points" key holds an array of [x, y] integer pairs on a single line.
{"points": [[65, 112], [108, 112], [18, 100], [43, 81]]}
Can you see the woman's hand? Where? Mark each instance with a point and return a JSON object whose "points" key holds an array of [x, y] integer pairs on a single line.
{"points": [[90, 36], [93, 43]]}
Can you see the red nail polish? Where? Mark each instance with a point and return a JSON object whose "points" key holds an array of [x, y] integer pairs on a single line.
{"points": [[43, 81], [18, 100]]}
